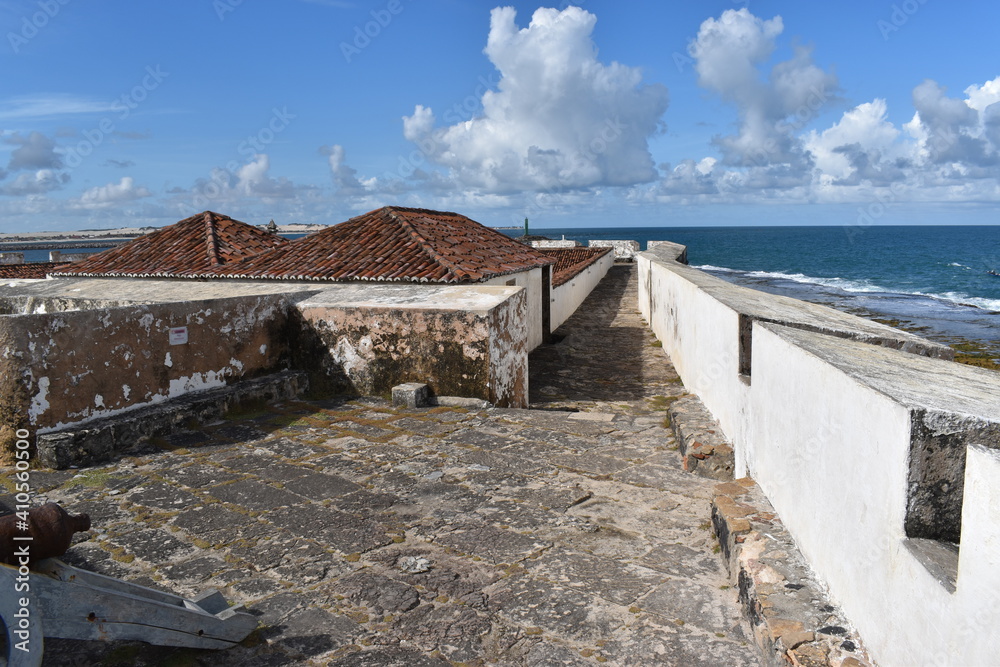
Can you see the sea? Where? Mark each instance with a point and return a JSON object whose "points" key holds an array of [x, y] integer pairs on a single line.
{"points": [[932, 280]]}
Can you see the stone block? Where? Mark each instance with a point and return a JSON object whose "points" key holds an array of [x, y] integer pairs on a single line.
{"points": [[410, 395]]}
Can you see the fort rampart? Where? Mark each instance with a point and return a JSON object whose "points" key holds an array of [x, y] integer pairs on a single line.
{"points": [[879, 453]]}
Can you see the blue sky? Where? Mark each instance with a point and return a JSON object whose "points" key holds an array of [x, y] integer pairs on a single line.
{"points": [[594, 114]]}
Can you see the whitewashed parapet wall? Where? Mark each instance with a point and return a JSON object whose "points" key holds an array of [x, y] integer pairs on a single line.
{"points": [[531, 281], [566, 298], [555, 243], [882, 459]]}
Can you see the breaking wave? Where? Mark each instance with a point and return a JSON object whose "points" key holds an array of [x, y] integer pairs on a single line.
{"points": [[861, 286]]}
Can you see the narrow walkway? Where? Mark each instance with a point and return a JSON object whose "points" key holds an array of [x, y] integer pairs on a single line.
{"points": [[607, 358], [361, 534]]}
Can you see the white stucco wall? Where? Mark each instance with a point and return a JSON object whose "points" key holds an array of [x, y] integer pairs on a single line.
{"points": [[532, 282], [823, 424], [701, 336], [697, 318], [832, 457], [567, 297]]}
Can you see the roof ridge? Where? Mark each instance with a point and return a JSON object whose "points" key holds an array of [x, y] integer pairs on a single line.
{"points": [[211, 240], [422, 242]]}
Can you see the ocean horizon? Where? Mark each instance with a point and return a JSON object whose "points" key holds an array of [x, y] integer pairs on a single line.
{"points": [[931, 280]]}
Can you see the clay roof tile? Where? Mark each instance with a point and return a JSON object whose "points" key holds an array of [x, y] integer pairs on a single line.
{"points": [[187, 248], [394, 244]]}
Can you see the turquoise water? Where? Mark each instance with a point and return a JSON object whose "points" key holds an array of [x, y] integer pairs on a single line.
{"points": [[933, 279]]}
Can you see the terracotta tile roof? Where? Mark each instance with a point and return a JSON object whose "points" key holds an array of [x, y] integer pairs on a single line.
{"points": [[188, 248], [395, 244], [571, 261], [29, 270]]}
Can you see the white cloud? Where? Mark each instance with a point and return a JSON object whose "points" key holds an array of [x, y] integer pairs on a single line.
{"points": [[980, 97], [225, 189], [862, 130], [949, 151], [728, 53], [559, 120], [35, 151], [253, 181], [728, 50], [35, 183], [40, 107], [953, 130], [107, 196], [345, 178]]}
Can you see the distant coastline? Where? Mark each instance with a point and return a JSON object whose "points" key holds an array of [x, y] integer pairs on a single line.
{"points": [[104, 238]]}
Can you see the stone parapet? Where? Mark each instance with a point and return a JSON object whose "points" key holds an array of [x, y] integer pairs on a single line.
{"points": [[790, 614], [704, 448]]}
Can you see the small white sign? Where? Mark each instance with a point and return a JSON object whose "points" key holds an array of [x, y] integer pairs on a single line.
{"points": [[179, 336]]}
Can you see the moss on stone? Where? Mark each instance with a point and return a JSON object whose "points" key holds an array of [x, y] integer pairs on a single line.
{"points": [[972, 353]]}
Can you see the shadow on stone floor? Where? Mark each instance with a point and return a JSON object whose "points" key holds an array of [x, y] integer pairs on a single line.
{"points": [[603, 353]]}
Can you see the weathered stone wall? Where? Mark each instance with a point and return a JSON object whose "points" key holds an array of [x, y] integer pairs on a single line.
{"points": [[77, 350], [508, 353], [60, 256], [624, 250], [369, 345], [69, 366]]}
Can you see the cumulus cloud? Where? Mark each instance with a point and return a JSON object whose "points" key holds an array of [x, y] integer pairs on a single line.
{"points": [[107, 196], [345, 178], [691, 178], [952, 130], [252, 180], [728, 53], [35, 183], [847, 151], [950, 150], [238, 184], [35, 151], [560, 118]]}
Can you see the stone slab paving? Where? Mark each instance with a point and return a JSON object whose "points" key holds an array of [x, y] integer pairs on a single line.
{"points": [[607, 358], [362, 534]]}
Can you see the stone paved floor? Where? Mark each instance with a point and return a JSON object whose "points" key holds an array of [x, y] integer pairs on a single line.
{"points": [[553, 537]]}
